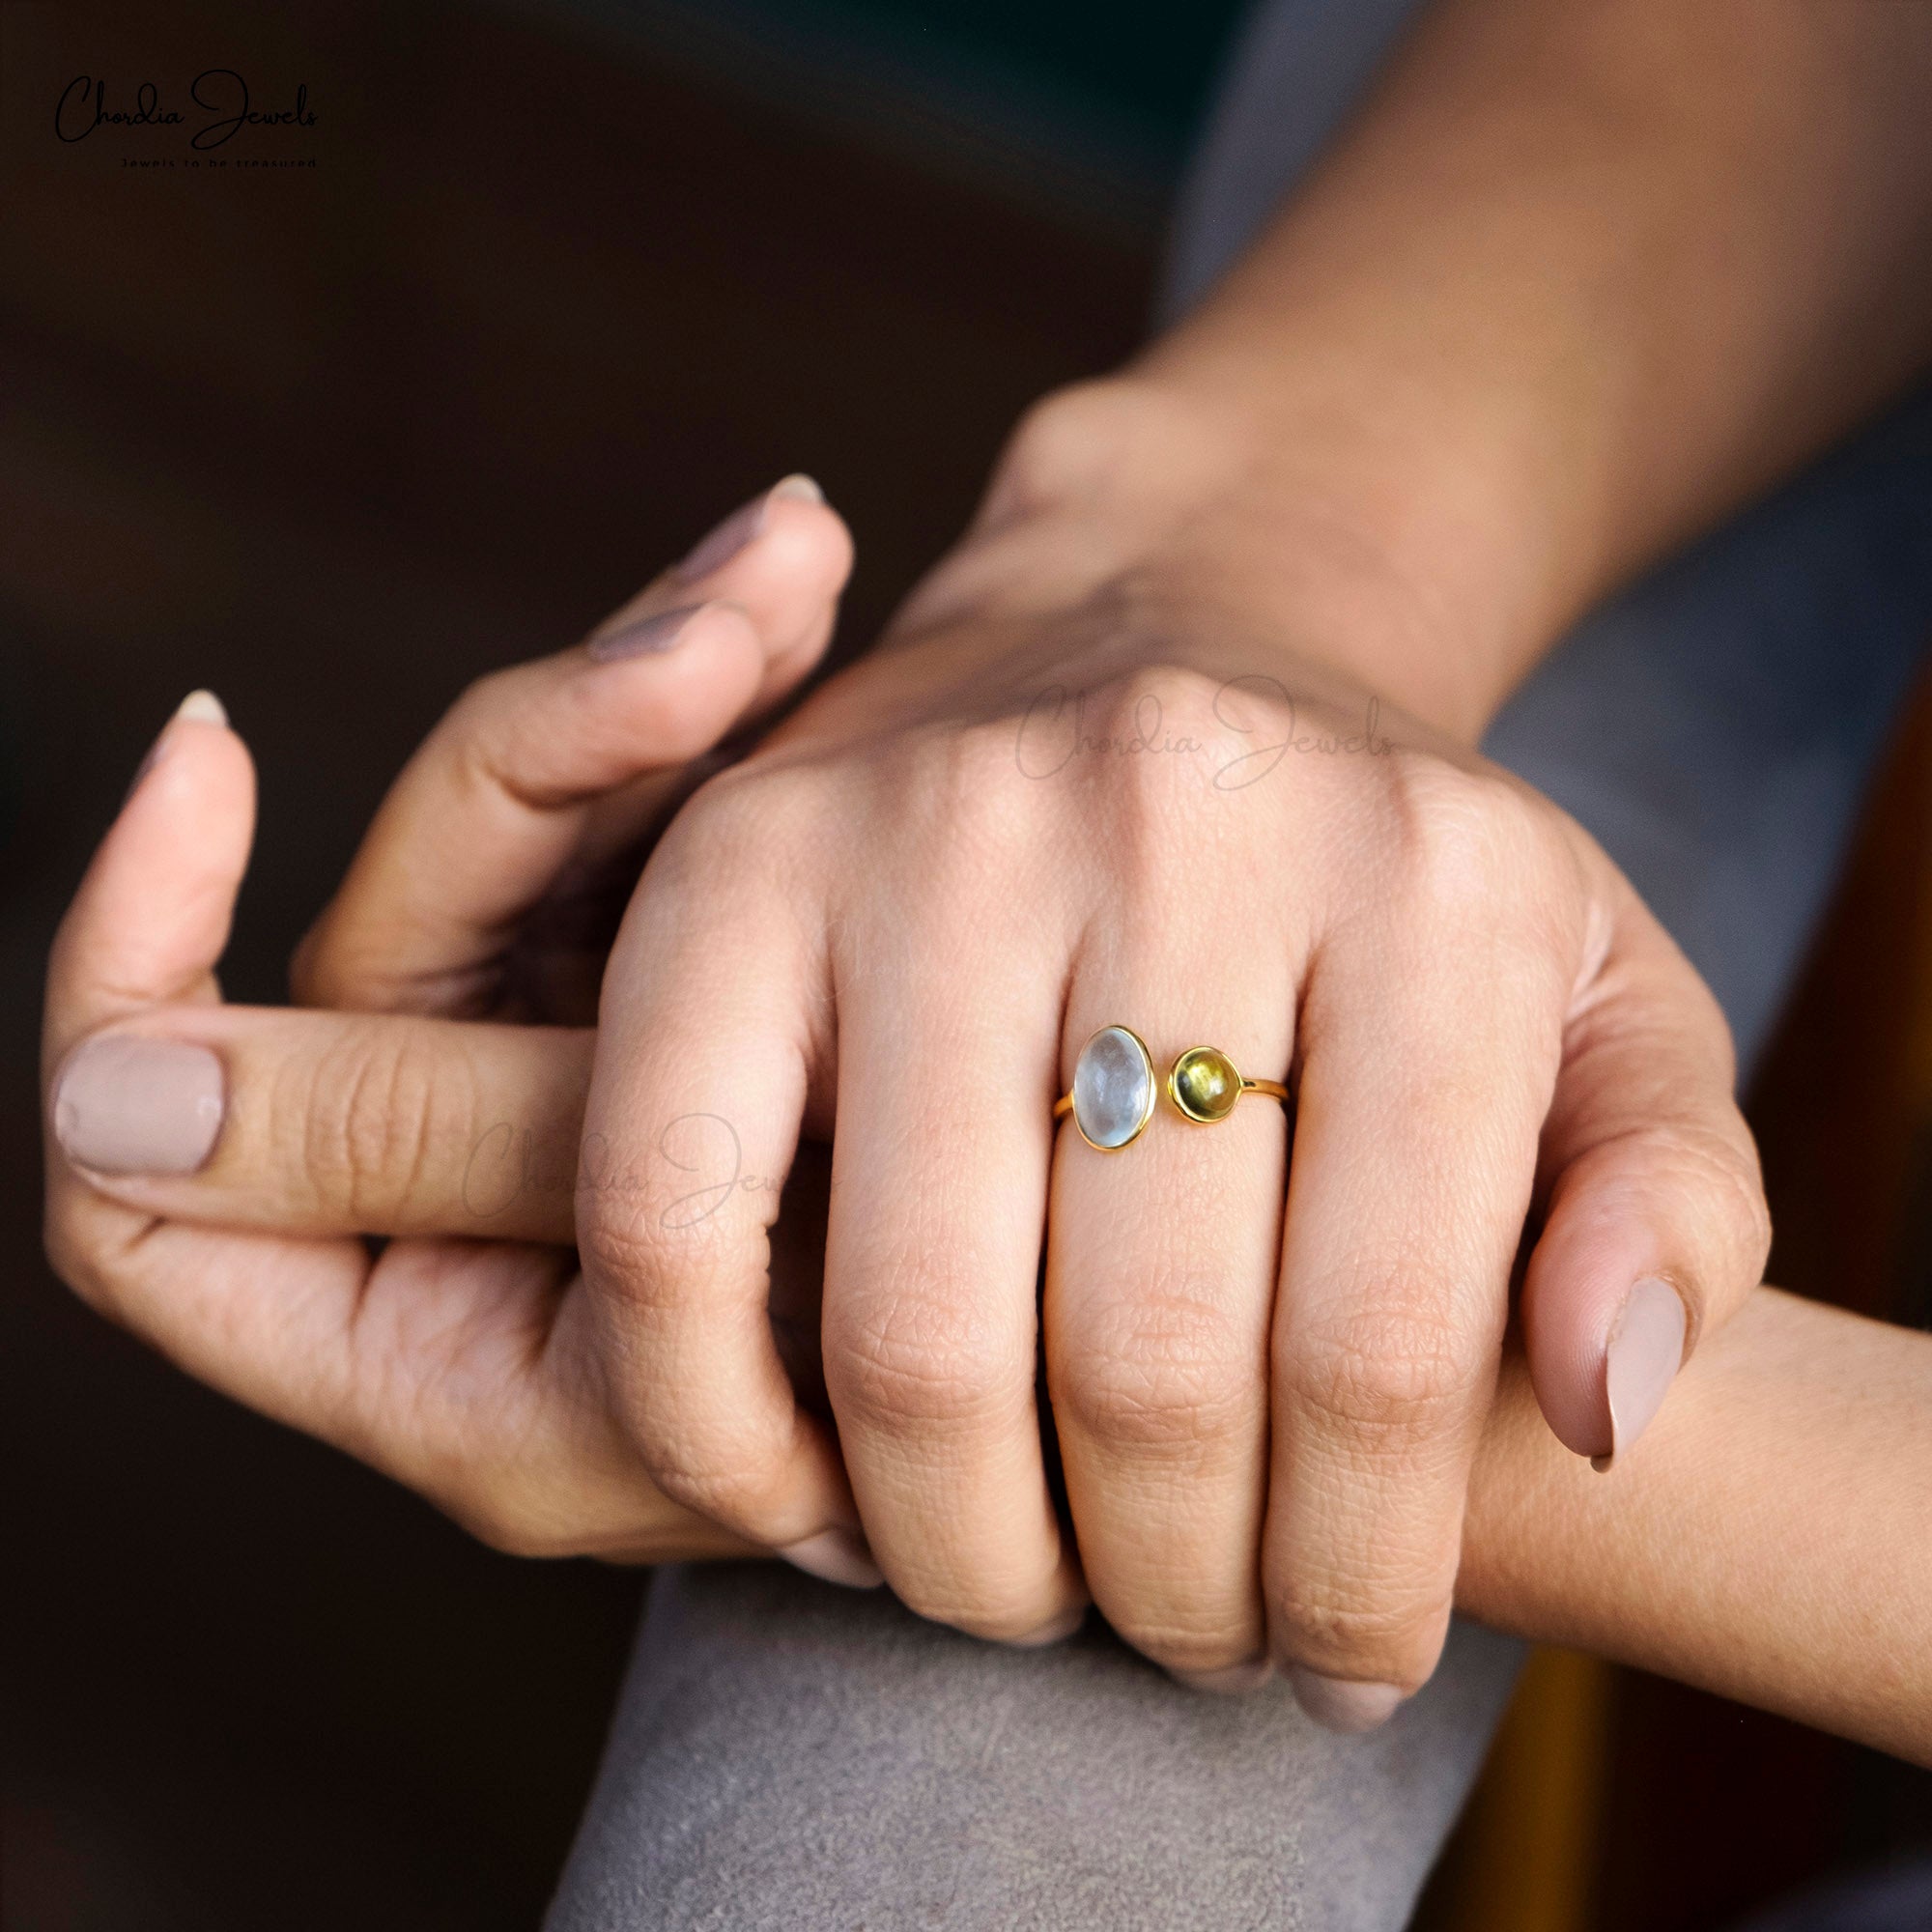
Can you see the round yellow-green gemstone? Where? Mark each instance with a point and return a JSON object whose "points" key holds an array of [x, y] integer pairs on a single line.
{"points": [[1204, 1084]]}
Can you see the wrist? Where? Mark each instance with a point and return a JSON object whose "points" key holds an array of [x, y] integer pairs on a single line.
{"points": [[1164, 488]]}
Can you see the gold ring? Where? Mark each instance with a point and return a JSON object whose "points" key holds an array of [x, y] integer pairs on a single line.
{"points": [[1113, 1093]]}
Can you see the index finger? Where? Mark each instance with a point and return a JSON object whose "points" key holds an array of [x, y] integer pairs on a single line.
{"points": [[544, 774], [494, 804]]}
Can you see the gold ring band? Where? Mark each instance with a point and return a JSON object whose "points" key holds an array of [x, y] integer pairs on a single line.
{"points": [[1111, 1097]]}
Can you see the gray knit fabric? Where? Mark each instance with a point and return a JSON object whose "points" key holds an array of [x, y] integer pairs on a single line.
{"points": [[789, 1754]]}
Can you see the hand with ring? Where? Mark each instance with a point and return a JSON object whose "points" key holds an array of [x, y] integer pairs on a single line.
{"points": [[1075, 832], [1097, 831]]}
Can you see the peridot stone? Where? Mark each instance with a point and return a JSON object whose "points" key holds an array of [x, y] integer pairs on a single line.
{"points": [[1204, 1084]]}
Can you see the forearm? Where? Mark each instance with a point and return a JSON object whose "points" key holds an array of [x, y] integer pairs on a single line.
{"points": [[1578, 279], [1769, 1539]]}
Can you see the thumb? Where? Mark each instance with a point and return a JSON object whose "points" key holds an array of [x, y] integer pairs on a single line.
{"points": [[152, 915], [1655, 1225]]}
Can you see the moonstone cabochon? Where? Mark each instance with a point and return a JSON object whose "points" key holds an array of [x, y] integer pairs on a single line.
{"points": [[1113, 1088]]}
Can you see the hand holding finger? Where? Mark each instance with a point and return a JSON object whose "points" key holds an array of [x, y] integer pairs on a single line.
{"points": [[466, 1369], [542, 772]]}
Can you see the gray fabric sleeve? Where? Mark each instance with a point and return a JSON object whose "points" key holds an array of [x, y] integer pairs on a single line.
{"points": [[787, 1755]]}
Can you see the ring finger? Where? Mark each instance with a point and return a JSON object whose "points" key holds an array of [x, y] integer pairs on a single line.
{"points": [[1161, 1261]]}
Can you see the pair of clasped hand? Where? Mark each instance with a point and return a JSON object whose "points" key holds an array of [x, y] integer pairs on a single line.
{"points": [[756, 1264]]}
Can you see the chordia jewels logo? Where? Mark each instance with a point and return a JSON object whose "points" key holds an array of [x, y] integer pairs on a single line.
{"points": [[216, 107]]}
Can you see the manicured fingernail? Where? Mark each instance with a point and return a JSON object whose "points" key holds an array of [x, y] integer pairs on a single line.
{"points": [[1230, 1680], [714, 551], [838, 1556], [648, 634], [125, 1105], [201, 705], [1337, 1704], [1055, 1631], [1645, 1353]]}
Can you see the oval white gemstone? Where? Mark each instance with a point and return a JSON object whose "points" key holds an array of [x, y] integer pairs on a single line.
{"points": [[1113, 1088]]}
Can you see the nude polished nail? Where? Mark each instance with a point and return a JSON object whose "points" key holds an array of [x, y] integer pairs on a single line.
{"points": [[1645, 1353], [718, 549], [201, 707], [836, 1556], [647, 637], [126, 1105], [1337, 1704]]}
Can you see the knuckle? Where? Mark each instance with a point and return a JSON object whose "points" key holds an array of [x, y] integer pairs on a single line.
{"points": [[1146, 717], [966, 808], [1471, 838], [1712, 1168], [343, 970], [1175, 1640], [1382, 1374], [1167, 1370], [485, 738], [753, 820], [918, 1351], [1052, 444], [1721, 1160], [720, 1472], [1391, 1636], [724, 1458], [740, 805], [1252, 723], [365, 1116], [626, 1251], [651, 1235], [700, 1482], [1155, 751], [352, 972], [1747, 1217], [479, 706], [1753, 1230], [990, 1616]]}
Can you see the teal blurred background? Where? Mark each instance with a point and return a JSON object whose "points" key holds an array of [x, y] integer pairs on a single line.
{"points": [[1086, 105]]}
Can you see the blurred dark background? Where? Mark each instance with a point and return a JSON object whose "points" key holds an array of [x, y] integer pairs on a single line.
{"points": [[563, 285]]}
